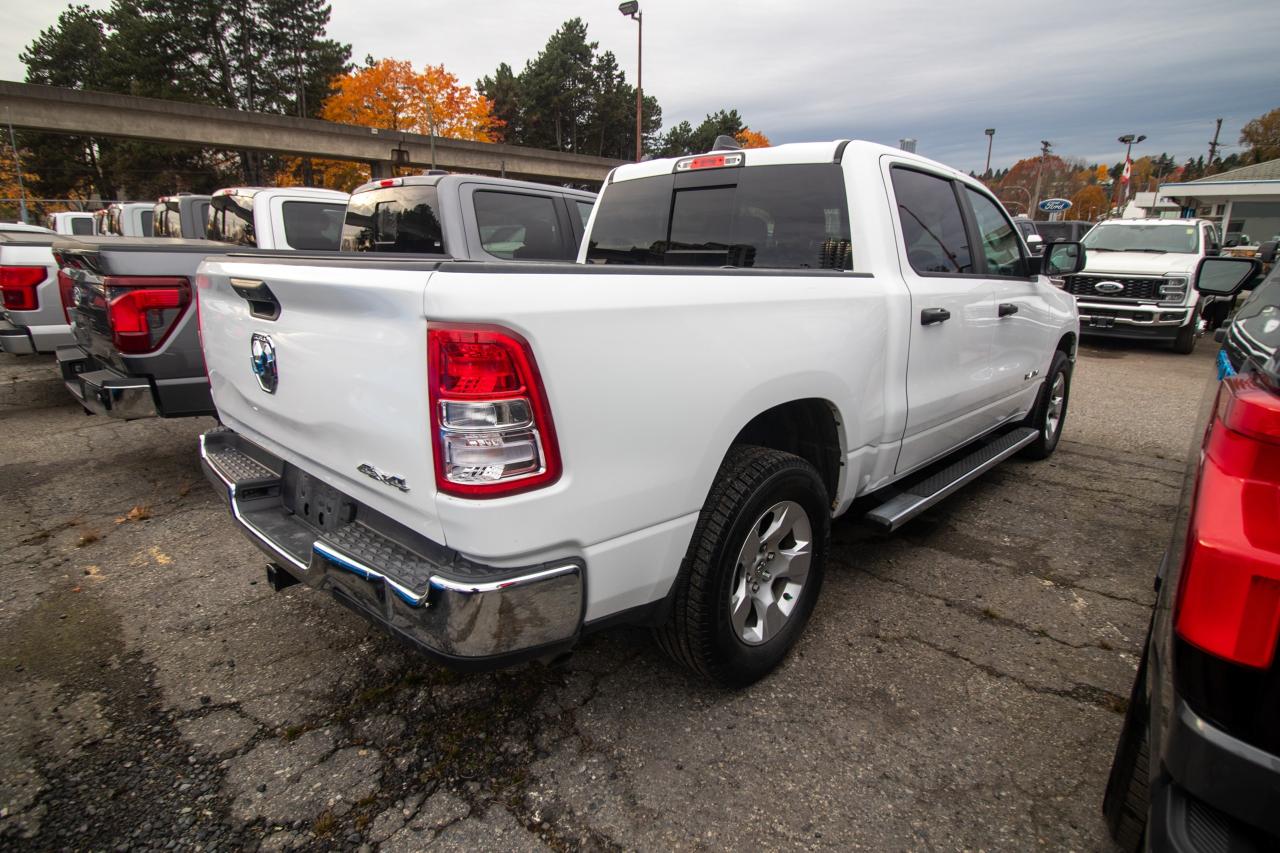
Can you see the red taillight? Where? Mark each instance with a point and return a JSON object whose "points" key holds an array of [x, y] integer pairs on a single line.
{"points": [[490, 420], [18, 284], [388, 182], [1229, 596], [143, 310], [67, 290]]}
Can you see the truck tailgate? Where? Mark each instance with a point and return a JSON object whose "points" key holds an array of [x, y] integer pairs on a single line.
{"points": [[348, 387]]}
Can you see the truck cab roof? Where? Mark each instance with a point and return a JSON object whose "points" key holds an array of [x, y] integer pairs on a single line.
{"points": [[443, 179], [788, 154]]}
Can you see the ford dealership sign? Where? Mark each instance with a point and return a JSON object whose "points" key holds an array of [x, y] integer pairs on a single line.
{"points": [[1054, 205]]}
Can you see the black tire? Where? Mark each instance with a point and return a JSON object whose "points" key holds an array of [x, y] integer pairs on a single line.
{"points": [[1126, 803], [699, 632], [1185, 342], [1047, 439]]}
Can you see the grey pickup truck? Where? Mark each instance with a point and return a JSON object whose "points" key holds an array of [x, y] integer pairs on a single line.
{"points": [[137, 352]]}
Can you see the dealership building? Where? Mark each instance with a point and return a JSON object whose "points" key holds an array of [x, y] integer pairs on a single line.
{"points": [[1245, 202]]}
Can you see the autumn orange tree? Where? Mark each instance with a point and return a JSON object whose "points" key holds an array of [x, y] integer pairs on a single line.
{"points": [[391, 95], [749, 138], [1090, 203]]}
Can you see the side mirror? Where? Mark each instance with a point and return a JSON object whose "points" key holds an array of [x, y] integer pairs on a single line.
{"points": [[1059, 259], [1035, 243], [1267, 252], [1224, 276]]}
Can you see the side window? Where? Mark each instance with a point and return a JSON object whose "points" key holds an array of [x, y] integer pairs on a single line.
{"points": [[519, 227], [146, 218], [1000, 243], [1211, 243], [81, 226], [312, 225], [584, 209], [932, 226]]}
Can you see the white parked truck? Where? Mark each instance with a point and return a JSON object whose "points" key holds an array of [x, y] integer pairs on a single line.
{"points": [[493, 459], [296, 218], [1137, 283], [31, 316]]}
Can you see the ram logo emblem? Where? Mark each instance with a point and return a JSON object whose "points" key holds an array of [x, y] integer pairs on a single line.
{"points": [[263, 361]]}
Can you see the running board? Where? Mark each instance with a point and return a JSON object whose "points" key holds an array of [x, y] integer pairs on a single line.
{"points": [[898, 510]]}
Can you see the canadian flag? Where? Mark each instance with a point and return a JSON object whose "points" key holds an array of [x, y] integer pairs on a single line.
{"points": [[1124, 176]]}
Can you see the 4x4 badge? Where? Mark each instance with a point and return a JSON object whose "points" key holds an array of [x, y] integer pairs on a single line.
{"points": [[383, 477], [263, 362]]}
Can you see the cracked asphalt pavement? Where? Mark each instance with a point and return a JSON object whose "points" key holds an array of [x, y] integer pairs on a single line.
{"points": [[960, 686]]}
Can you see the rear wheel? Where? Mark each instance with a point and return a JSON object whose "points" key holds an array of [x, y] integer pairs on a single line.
{"points": [[753, 570], [1185, 342], [1050, 412]]}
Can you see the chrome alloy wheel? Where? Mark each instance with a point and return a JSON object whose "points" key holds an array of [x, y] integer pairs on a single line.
{"points": [[770, 573], [1057, 402]]}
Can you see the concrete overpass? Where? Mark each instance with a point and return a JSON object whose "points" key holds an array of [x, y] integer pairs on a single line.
{"points": [[55, 110]]}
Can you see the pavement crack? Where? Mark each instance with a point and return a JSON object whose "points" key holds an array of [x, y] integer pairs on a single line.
{"points": [[1083, 693]]}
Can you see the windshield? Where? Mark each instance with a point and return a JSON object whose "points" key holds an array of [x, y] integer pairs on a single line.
{"points": [[1183, 239], [395, 219], [777, 217]]}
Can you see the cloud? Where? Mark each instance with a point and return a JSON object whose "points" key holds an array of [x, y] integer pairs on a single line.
{"points": [[1079, 73]]}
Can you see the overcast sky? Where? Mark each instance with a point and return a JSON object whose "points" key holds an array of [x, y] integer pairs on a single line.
{"points": [[1078, 73]]}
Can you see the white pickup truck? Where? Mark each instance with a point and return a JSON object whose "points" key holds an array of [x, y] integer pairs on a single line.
{"points": [[492, 459], [1137, 283], [31, 316]]}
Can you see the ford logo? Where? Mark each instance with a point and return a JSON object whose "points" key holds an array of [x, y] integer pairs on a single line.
{"points": [[1054, 205], [263, 361], [1108, 287]]}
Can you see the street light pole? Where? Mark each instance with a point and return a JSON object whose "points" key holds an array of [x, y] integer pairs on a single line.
{"points": [[1045, 145], [1129, 140], [991, 134], [632, 10], [17, 165]]}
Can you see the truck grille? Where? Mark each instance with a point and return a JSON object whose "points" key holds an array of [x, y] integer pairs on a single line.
{"points": [[1132, 288]]}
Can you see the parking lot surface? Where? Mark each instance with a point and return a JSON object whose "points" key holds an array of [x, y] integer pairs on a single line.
{"points": [[960, 686]]}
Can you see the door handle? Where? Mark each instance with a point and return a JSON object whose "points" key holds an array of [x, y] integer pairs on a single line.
{"points": [[929, 316], [1007, 308]]}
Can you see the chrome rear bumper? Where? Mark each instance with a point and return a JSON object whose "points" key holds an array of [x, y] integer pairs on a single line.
{"points": [[463, 612], [105, 392]]}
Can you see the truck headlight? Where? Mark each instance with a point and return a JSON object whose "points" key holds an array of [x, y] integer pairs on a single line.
{"points": [[1174, 288]]}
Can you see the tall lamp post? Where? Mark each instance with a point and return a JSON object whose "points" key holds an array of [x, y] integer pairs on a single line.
{"points": [[631, 9], [1129, 141], [1045, 146], [991, 135]]}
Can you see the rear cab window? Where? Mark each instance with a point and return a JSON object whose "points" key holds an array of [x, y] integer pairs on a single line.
{"points": [[81, 226], [520, 226], [394, 219], [313, 225], [231, 220], [772, 217]]}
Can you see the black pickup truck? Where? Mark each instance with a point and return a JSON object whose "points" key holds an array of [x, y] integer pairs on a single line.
{"points": [[133, 300]]}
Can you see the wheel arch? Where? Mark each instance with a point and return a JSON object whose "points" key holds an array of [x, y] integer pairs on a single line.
{"points": [[810, 428]]}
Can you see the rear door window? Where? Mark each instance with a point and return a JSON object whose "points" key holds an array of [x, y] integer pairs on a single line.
{"points": [[81, 226], [395, 219], [932, 226], [520, 227], [147, 218], [776, 217], [313, 225]]}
